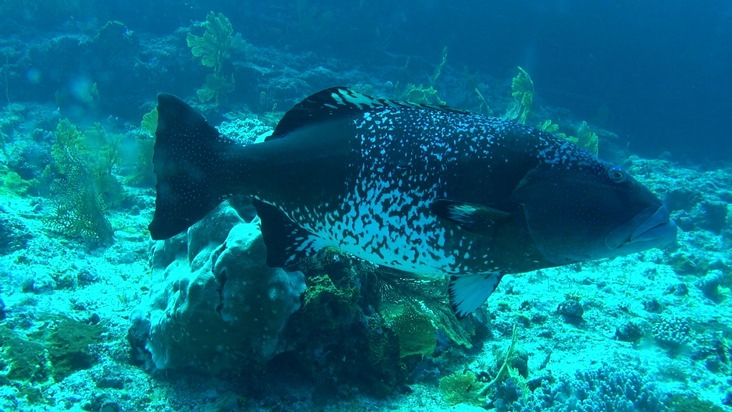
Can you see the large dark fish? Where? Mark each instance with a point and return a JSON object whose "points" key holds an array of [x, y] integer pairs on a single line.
{"points": [[422, 189]]}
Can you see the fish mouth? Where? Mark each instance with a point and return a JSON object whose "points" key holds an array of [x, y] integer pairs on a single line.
{"points": [[648, 229]]}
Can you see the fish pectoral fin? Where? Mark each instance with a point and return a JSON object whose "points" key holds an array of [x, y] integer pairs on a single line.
{"points": [[468, 292], [479, 219], [286, 241]]}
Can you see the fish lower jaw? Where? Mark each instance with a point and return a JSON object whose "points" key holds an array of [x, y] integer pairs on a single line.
{"points": [[658, 235]]}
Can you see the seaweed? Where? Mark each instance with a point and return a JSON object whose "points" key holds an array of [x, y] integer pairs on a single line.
{"points": [[421, 94], [523, 97], [213, 48]]}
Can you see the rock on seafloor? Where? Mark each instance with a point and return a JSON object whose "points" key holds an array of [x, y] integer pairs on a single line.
{"points": [[214, 305]]}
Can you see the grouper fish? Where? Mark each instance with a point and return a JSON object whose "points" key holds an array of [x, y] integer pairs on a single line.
{"points": [[428, 190]]}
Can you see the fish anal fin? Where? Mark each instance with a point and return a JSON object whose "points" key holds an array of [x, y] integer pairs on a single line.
{"points": [[479, 219], [468, 292], [287, 243]]}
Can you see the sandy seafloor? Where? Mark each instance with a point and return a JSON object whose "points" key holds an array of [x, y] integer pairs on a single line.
{"points": [[50, 277]]}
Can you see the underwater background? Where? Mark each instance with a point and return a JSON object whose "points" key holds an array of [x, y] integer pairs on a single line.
{"points": [[96, 316]]}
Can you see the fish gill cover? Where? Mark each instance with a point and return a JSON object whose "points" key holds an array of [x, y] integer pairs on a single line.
{"points": [[354, 311]]}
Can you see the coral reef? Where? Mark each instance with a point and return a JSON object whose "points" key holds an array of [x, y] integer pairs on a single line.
{"points": [[23, 360], [629, 332], [336, 337], [672, 333], [603, 389]]}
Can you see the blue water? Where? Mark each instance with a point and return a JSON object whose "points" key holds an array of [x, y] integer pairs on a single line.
{"points": [[94, 315]]}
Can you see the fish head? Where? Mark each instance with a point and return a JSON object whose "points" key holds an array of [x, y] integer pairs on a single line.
{"points": [[590, 209]]}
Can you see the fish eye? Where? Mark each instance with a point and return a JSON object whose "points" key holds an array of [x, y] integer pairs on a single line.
{"points": [[616, 174]]}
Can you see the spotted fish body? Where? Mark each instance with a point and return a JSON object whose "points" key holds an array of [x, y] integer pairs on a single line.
{"points": [[403, 160], [421, 189]]}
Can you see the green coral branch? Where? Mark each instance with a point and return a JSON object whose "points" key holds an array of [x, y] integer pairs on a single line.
{"points": [[438, 70], [215, 87], [523, 97], [422, 95], [142, 168], [149, 123], [484, 106], [586, 138], [213, 46], [504, 367]]}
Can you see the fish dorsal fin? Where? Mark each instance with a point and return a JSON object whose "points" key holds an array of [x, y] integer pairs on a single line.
{"points": [[338, 102], [478, 219]]}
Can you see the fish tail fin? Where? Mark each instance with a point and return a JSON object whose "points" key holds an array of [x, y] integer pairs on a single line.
{"points": [[188, 166]]}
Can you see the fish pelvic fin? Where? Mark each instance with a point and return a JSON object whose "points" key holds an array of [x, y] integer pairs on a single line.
{"points": [[187, 162], [468, 292]]}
